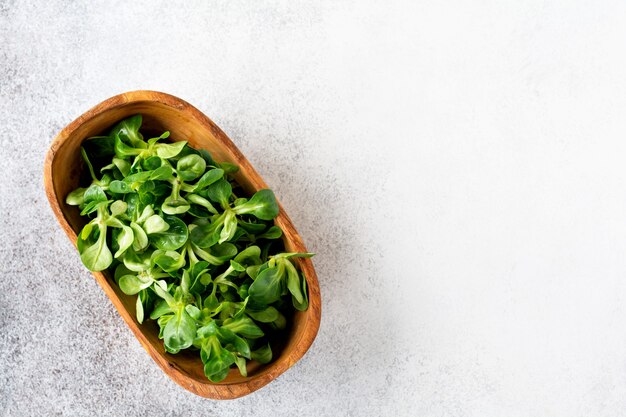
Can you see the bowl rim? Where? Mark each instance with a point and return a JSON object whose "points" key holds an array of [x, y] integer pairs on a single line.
{"points": [[228, 390]]}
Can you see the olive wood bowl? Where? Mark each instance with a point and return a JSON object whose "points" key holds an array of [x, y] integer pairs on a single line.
{"points": [[62, 171]]}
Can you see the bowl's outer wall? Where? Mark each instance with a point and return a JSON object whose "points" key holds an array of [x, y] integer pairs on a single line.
{"points": [[162, 112]]}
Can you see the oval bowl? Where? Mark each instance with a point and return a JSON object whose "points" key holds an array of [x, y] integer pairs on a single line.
{"points": [[63, 167]]}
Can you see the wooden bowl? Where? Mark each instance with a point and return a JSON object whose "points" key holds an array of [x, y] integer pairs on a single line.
{"points": [[63, 167]]}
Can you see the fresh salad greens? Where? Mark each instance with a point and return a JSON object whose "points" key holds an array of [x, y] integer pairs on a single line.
{"points": [[177, 231]]}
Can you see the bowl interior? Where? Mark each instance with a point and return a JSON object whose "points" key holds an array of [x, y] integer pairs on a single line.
{"points": [[183, 124]]}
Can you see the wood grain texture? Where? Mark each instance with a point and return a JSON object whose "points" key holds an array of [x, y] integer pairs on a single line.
{"points": [[63, 166]]}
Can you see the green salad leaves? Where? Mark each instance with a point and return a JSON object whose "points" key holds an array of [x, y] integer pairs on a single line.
{"points": [[177, 231]]}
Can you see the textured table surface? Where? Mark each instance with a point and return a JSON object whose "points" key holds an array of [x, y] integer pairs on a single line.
{"points": [[458, 167]]}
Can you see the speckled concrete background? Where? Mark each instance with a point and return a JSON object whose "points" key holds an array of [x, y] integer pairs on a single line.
{"points": [[457, 167]]}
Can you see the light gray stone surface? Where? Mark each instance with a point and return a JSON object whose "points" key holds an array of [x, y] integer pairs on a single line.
{"points": [[458, 167]]}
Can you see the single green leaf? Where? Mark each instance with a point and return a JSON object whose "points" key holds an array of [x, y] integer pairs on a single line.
{"points": [[140, 237], [273, 232], [205, 332], [222, 373], [253, 271], [164, 294], [145, 214], [155, 224], [165, 135], [83, 153], [267, 287], [193, 311], [267, 315], [218, 362], [179, 332], [162, 322], [169, 261], [217, 254], [134, 180], [169, 150], [128, 130], [243, 326], [120, 187], [151, 163], [163, 173], [135, 261], [237, 266], [219, 192], [229, 228], [207, 235], [94, 194], [97, 257], [198, 269], [90, 207], [173, 205], [139, 310], [118, 208], [174, 237], [229, 168], [302, 306], [293, 281], [120, 271], [122, 165], [263, 354], [253, 228], [124, 150], [262, 205], [241, 346], [211, 302], [190, 167], [76, 197], [241, 365], [124, 239], [132, 284], [209, 178], [86, 232], [185, 281], [201, 201], [249, 256]]}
